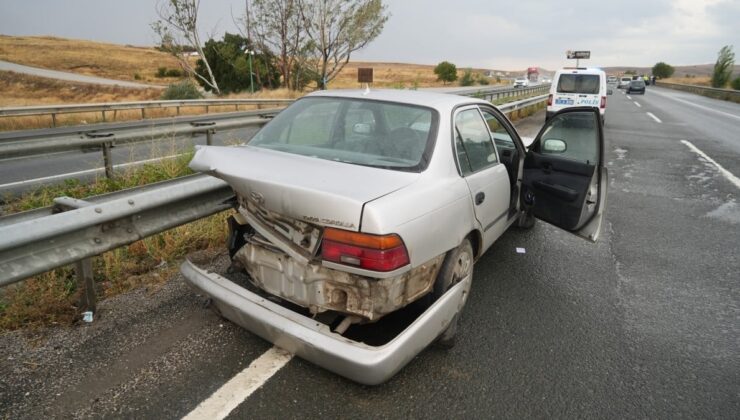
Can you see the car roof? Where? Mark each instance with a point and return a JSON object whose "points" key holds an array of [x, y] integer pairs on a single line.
{"points": [[580, 70], [411, 97]]}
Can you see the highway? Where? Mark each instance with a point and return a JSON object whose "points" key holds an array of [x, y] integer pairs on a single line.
{"points": [[643, 324]]}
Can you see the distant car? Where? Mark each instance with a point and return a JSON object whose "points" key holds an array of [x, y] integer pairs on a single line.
{"points": [[350, 205], [612, 80], [521, 82], [624, 82], [636, 86]]}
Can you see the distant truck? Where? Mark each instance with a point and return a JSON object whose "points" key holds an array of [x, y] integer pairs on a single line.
{"points": [[533, 74]]}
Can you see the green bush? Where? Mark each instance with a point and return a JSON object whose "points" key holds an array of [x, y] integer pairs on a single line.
{"points": [[446, 72], [173, 73], [467, 78], [736, 83], [137, 76], [161, 72], [182, 90], [483, 80]]}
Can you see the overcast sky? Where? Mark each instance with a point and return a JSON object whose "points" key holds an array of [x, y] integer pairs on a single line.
{"points": [[508, 35]]}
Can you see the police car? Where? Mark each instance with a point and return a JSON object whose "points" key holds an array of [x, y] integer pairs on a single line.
{"points": [[577, 86]]}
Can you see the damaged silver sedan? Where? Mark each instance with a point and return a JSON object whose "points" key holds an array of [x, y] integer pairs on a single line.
{"points": [[354, 205]]}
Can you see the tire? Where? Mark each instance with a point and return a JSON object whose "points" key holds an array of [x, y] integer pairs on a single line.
{"points": [[457, 265]]}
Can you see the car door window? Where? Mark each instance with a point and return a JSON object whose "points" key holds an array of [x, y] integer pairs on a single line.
{"points": [[501, 136], [571, 136], [473, 142]]}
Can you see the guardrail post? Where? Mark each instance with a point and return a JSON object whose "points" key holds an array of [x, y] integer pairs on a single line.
{"points": [[86, 285], [103, 112], [178, 110], [206, 109], [115, 112], [107, 160], [53, 120], [209, 137], [143, 113]]}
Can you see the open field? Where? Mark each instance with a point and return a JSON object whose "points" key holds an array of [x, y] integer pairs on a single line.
{"points": [[87, 57], [24, 90], [397, 75]]}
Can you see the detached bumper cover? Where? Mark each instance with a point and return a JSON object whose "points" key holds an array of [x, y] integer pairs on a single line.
{"points": [[314, 341]]}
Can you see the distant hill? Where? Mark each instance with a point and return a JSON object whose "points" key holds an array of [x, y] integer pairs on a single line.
{"points": [[696, 70]]}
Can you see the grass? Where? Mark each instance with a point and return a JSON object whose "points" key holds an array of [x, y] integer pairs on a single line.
{"points": [[697, 80], [113, 61], [50, 298]]}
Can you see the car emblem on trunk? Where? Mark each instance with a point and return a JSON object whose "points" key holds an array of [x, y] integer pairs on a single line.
{"points": [[257, 197]]}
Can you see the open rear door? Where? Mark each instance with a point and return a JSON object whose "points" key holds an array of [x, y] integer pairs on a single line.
{"points": [[564, 181]]}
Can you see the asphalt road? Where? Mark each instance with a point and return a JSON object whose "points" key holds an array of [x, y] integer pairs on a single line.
{"points": [[643, 324], [71, 77]]}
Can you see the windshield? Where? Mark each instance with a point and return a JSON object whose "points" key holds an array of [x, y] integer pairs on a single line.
{"points": [[637, 83], [357, 131], [578, 83]]}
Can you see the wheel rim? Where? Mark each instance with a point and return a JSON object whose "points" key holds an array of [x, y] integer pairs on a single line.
{"points": [[463, 266]]}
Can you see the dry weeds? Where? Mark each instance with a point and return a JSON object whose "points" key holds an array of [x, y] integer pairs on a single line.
{"points": [[112, 61]]}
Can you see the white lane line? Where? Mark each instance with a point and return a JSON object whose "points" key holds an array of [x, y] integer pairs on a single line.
{"points": [[241, 386], [727, 174], [85, 172], [638, 105], [737, 117], [628, 97], [650, 114]]}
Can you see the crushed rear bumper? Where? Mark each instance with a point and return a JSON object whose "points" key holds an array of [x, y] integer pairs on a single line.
{"points": [[314, 341]]}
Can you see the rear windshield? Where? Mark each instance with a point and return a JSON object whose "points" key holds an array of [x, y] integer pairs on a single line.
{"points": [[362, 132], [638, 83], [579, 83]]}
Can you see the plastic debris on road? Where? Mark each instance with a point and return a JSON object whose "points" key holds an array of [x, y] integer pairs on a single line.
{"points": [[521, 251], [87, 316]]}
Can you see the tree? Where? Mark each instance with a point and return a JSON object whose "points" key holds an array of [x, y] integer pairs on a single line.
{"points": [[178, 27], [662, 70], [723, 67], [277, 27], [230, 66], [446, 72], [337, 28]]}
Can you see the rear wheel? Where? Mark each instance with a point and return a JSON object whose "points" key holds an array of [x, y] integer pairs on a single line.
{"points": [[458, 265]]}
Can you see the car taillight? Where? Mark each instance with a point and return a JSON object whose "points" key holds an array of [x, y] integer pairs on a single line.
{"points": [[549, 100], [362, 250], [603, 102]]}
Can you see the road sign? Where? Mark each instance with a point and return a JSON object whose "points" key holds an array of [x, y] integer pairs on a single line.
{"points": [[578, 55], [365, 75]]}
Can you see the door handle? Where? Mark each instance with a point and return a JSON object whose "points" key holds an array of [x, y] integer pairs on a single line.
{"points": [[479, 198]]}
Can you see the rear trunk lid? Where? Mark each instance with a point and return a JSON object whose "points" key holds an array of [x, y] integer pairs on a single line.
{"points": [[314, 190]]}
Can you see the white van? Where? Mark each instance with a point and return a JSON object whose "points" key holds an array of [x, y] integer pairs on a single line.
{"points": [[577, 86]]}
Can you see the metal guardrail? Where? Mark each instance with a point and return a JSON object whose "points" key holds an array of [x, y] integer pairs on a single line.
{"points": [[106, 140], [114, 107], [495, 93], [72, 230], [75, 230], [723, 94]]}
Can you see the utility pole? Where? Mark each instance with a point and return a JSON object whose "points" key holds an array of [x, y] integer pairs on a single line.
{"points": [[251, 74]]}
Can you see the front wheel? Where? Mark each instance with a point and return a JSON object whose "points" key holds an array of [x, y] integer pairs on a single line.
{"points": [[458, 265]]}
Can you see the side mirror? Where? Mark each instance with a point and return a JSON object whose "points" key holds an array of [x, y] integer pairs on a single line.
{"points": [[554, 146]]}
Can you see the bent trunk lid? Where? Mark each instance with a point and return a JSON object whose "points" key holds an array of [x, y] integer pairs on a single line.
{"points": [[314, 190]]}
